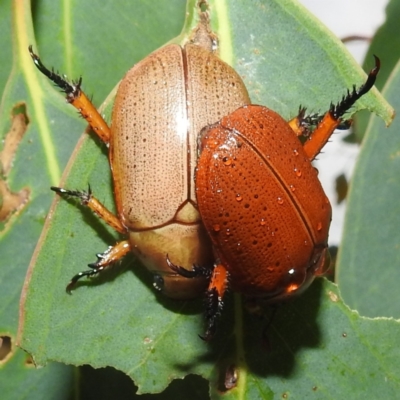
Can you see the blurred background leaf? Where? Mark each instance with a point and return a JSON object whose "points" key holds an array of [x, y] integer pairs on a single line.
{"points": [[369, 257]]}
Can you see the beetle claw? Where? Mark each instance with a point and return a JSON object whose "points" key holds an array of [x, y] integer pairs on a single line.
{"points": [[210, 332], [197, 270], [82, 195], [69, 287], [353, 95], [59, 80], [208, 335], [80, 275]]}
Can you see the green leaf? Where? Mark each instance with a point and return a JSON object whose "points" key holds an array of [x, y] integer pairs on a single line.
{"points": [[37, 162], [5, 41], [23, 207], [369, 258], [287, 58], [19, 379]]}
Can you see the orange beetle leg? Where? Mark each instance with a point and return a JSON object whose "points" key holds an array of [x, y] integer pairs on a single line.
{"points": [[298, 123], [303, 124], [215, 292], [333, 117], [77, 98], [99, 209], [112, 254]]}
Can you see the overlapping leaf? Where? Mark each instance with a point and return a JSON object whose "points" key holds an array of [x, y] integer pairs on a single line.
{"points": [[369, 260]]}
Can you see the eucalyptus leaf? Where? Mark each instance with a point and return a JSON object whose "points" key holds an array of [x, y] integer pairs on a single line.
{"points": [[369, 259]]}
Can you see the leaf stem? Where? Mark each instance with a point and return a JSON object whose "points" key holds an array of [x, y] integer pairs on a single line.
{"points": [[241, 365]]}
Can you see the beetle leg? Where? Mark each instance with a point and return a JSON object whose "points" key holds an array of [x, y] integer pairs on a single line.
{"points": [[215, 292], [333, 118], [298, 123], [303, 123], [214, 303], [99, 209], [197, 270], [112, 254], [77, 98]]}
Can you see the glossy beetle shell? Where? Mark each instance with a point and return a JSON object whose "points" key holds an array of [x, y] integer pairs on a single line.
{"points": [[262, 203], [161, 105]]}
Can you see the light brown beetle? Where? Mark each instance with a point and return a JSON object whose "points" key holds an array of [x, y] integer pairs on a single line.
{"points": [[161, 105]]}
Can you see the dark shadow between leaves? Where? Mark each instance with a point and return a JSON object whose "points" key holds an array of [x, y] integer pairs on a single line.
{"points": [[294, 328], [106, 383], [222, 345], [184, 307], [270, 347]]}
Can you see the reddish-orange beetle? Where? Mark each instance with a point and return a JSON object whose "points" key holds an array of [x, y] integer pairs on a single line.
{"points": [[262, 203], [256, 210]]}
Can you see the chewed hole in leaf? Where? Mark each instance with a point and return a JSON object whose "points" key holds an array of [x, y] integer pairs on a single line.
{"points": [[29, 361], [5, 348], [11, 202]]}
